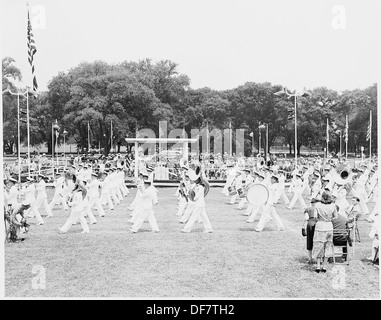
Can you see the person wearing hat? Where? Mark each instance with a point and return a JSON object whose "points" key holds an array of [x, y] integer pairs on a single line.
{"points": [[198, 197], [136, 203], [115, 196], [359, 191], [248, 181], [145, 211], [106, 193], [76, 203], [121, 182], [13, 192], [268, 210], [230, 175], [281, 193], [237, 183], [18, 220], [252, 210], [30, 191], [42, 197], [316, 184], [323, 234], [298, 190], [58, 196], [183, 195]]}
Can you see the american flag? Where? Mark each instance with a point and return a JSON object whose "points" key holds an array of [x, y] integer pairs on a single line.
{"points": [[368, 133], [31, 52]]}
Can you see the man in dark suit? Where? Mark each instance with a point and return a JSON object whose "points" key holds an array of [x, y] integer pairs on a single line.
{"points": [[341, 238]]}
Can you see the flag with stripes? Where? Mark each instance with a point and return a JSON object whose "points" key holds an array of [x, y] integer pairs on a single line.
{"points": [[369, 131], [31, 52]]}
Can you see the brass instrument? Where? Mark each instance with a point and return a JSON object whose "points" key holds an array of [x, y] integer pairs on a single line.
{"points": [[343, 175]]}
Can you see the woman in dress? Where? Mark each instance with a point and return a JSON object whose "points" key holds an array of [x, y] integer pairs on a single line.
{"points": [[323, 236], [310, 216]]}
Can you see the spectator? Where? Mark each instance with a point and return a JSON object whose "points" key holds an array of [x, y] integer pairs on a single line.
{"points": [[374, 234], [310, 216], [323, 235], [341, 238]]}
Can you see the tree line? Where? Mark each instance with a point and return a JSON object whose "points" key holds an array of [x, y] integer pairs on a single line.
{"points": [[136, 95]]}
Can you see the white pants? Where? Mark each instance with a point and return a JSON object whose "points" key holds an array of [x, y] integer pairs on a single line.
{"points": [[253, 213], [75, 215], [106, 198], [362, 195], [198, 212], [242, 203], [269, 212], [233, 198], [33, 212], [43, 201], [95, 201], [57, 199], [182, 206], [296, 197], [188, 212], [282, 195], [146, 214]]}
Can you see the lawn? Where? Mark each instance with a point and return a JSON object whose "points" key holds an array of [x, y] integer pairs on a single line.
{"points": [[233, 262]]}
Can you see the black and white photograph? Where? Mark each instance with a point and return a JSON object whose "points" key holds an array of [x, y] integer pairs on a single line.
{"points": [[177, 150]]}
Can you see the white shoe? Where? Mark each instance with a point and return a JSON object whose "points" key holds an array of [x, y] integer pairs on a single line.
{"points": [[256, 229], [83, 231], [60, 231], [39, 223], [132, 230], [184, 231]]}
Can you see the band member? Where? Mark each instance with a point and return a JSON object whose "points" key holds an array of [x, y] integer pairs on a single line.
{"points": [[281, 193], [16, 220], [13, 192], [230, 175], [360, 191], [42, 197], [105, 194], [190, 203], [58, 196], [30, 196], [77, 208], [121, 183], [248, 181], [269, 208], [298, 189], [145, 210], [200, 191], [93, 189], [255, 209], [183, 191], [237, 183], [316, 184], [340, 198]]}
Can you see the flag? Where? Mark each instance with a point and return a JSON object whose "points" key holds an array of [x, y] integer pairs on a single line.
{"points": [[346, 129], [31, 52], [369, 131]]}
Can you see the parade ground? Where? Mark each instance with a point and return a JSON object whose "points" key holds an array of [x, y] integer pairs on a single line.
{"points": [[232, 262]]}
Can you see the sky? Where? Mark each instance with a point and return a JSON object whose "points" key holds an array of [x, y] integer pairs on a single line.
{"points": [[218, 44]]}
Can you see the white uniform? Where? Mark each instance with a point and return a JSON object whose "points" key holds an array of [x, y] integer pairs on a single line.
{"points": [[13, 194], [238, 184], [94, 199], [255, 209], [281, 193], [42, 198], [269, 210], [360, 192], [106, 194], [59, 194], [149, 198], [30, 196], [76, 214], [230, 175], [249, 179], [298, 189], [198, 211]]}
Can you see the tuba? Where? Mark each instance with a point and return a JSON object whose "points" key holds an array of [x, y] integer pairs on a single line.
{"points": [[343, 174]]}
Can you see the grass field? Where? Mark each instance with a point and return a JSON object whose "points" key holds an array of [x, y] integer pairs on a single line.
{"points": [[233, 262]]}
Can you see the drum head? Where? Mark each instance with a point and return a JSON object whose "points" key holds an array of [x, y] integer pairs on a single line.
{"points": [[257, 194]]}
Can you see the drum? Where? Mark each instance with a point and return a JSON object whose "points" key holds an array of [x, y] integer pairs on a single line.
{"points": [[257, 194], [232, 191], [241, 192]]}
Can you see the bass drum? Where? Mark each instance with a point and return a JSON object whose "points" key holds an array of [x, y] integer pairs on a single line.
{"points": [[257, 194]]}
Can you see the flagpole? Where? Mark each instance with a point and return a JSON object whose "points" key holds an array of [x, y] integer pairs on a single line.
{"points": [[18, 136], [230, 139], [327, 138], [28, 133], [111, 136], [346, 138], [53, 149], [296, 134], [370, 135], [88, 137]]}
